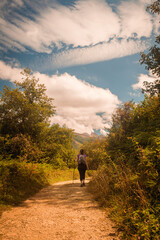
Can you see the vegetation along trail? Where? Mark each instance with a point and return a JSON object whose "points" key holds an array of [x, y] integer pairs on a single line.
{"points": [[63, 211]]}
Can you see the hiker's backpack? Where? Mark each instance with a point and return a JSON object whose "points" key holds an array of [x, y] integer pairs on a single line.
{"points": [[81, 159]]}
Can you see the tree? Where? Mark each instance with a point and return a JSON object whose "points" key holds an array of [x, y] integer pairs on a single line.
{"points": [[155, 7], [120, 130], [25, 130], [96, 153], [152, 59], [56, 143], [26, 108]]}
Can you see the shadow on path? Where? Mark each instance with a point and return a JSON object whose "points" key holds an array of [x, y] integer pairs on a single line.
{"points": [[63, 211], [68, 195]]}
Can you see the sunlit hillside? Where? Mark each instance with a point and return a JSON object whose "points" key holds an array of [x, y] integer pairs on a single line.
{"points": [[79, 139]]}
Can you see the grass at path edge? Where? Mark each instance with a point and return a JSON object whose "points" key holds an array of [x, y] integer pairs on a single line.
{"points": [[20, 180]]}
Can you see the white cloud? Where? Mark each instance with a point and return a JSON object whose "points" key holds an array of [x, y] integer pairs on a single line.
{"points": [[2, 3], [17, 3], [21, 35], [146, 1], [78, 103], [100, 52], [135, 94], [87, 23], [9, 73], [135, 21], [142, 78]]}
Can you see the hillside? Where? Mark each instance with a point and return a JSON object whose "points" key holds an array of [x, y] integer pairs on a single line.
{"points": [[79, 139]]}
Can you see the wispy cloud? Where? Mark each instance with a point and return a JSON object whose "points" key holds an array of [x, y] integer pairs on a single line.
{"points": [[9, 73], [135, 20], [86, 23], [101, 52], [89, 28], [78, 103]]}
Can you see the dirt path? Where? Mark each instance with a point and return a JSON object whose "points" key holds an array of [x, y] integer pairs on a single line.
{"points": [[63, 211]]}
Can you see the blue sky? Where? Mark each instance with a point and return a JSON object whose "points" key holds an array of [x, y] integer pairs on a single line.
{"points": [[86, 52]]}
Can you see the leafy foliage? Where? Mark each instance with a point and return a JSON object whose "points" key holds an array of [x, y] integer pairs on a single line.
{"points": [[155, 7], [25, 130], [19, 180], [33, 153], [96, 154], [56, 143], [26, 108], [129, 180], [152, 59]]}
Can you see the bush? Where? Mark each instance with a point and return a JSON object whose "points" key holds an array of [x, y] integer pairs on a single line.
{"points": [[19, 180], [131, 196]]}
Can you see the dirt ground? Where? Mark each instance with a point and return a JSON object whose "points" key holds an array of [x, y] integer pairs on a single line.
{"points": [[63, 211]]}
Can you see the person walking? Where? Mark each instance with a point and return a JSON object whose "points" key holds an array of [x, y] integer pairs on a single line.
{"points": [[82, 166]]}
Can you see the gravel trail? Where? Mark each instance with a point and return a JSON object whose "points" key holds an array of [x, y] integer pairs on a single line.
{"points": [[63, 211]]}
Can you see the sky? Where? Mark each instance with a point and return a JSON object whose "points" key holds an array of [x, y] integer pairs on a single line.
{"points": [[86, 52]]}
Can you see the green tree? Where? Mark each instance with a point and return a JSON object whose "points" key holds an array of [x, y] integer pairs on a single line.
{"points": [[155, 7], [96, 153], [56, 143], [26, 108], [152, 59], [118, 139], [25, 130]]}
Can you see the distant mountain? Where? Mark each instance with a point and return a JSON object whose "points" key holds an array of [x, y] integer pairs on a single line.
{"points": [[79, 139]]}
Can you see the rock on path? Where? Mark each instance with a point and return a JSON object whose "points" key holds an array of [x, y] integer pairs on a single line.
{"points": [[63, 211]]}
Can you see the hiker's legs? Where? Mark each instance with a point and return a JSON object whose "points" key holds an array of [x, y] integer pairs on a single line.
{"points": [[82, 170], [83, 180], [81, 175]]}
